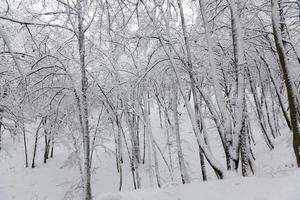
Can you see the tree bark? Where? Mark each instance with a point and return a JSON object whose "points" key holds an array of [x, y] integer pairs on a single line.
{"points": [[35, 143], [183, 171], [84, 104], [287, 80]]}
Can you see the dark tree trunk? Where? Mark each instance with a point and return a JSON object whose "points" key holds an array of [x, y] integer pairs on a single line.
{"points": [[35, 144], [287, 80], [25, 145]]}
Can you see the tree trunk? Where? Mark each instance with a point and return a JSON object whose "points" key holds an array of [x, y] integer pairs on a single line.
{"points": [[134, 146], [151, 141], [35, 144], [287, 80], [239, 63], [183, 171], [211, 159], [25, 144], [84, 104], [244, 144], [0, 131], [224, 113]]}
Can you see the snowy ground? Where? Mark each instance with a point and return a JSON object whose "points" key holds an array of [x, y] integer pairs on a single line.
{"points": [[275, 176], [285, 186]]}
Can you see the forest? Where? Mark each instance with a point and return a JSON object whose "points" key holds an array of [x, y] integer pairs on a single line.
{"points": [[102, 96]]}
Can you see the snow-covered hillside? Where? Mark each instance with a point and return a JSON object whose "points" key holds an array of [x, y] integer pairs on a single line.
{"points": [[282, 186], [275, 177], [149, 99]]}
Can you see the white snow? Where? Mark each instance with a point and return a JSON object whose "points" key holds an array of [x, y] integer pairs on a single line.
{"points": [[282, 187], [275, 178]]}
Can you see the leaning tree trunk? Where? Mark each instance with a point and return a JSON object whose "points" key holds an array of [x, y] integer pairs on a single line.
{"points": [[259, 111], [278, 94], [224, 113], [183, 171], [194, 85], [146, 113], [283, 60], [218, 168]]}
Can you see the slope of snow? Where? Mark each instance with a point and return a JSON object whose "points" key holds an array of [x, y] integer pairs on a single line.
{"points": [[284, 186], [52, 181]]}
